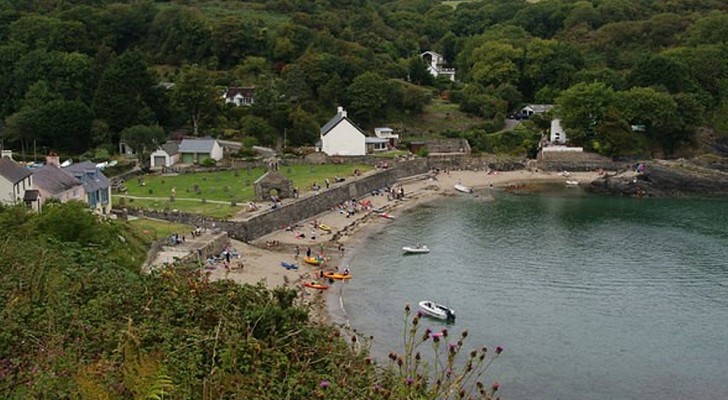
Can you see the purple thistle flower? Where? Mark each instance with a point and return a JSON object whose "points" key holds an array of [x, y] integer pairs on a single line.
{"points": [[324, 384], [410, 381]]}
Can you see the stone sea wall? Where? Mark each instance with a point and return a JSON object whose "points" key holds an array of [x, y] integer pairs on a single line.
{"points": [[294, 211]]}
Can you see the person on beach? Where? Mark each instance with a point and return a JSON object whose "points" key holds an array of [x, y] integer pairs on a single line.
{"points": [[298, 252], [308, 252]]}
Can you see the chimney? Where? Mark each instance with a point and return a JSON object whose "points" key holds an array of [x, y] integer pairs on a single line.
{"points": [[340, 111], [53, 159]]}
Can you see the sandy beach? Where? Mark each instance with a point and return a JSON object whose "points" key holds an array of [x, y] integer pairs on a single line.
{"points": [[262, 258]]}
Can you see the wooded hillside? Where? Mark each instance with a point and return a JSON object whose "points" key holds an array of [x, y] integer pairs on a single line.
{"points": [[76, 73]]}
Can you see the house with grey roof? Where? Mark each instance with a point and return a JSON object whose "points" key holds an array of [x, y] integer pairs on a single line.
{"points": [[95, 184], [240, 96], [341, 137], [54, 183], [15, 180], [195, 151], [166, 155]]}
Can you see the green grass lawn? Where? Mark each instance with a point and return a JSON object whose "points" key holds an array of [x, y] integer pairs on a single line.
{"points": [[224, 186], [154, 230]]}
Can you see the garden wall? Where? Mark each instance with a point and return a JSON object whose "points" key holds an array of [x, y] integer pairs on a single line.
{"points": [[295, 211]]}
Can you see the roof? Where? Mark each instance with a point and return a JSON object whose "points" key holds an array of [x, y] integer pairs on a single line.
{"points": [[171, 147], [204, 145], [12, 171], [54, 180], [93, 179], [231, 92], [375, 140], [335, 121], [431, 53], [540, 108]]}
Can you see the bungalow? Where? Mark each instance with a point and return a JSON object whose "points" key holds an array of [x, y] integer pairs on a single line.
{"points": [[96, 186], [436, 65], [195, 151], [375, 144], [387, 133], [240, 96], [341, 137], [54, 183], [165, 156], [15, 182]]}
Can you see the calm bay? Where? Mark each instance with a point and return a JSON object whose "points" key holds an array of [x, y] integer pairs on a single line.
{"points": [[592, 297]]}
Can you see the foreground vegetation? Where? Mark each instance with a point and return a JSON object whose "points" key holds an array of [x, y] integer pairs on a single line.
{"points": [[79, 321]]}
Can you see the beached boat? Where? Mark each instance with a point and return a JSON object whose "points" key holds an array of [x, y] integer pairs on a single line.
{"points": [[314, 285], [313, 260], [337, 275], [438, 311], [572, 183], [324, 227], [418, 249], [462, 188], [387, 216], [288, 266]]}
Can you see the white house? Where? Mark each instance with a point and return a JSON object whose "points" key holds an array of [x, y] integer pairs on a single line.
{"points": [[240, 96], [436, 65], [166, 155], [195, 151], [387, 133], [557, 135], [341, 137], [15, 180]]}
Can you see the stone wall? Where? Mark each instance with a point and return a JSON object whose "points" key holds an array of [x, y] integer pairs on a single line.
{"points": [[293, 212], [475, 163]]}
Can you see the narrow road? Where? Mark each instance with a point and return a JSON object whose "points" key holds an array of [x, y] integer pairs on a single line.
{"points": [[167, 198]]}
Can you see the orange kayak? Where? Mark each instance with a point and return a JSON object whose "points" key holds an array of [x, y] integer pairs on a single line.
{"points": [[336, 275], [314, 285]]}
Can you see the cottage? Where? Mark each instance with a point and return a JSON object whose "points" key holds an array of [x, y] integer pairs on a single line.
{"points": [[436, 65], [195, 151], [239, 96], [15, 180], [96, 186], [557, 135], [341, 137], [166, 155], [388, 134], [52, 182]]}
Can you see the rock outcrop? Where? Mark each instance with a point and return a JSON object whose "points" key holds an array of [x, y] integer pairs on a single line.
{"points": [[665, 178]]}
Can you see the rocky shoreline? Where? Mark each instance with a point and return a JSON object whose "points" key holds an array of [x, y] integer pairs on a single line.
{"points": [[661, 178]]}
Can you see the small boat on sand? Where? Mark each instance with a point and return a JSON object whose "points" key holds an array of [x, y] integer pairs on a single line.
{"points": [[314, 285], [387, 216], [418, 249], [438, 311], [288, 266], [324, 227], [462, 188], [313, 260], [336, 275], [572, 183]]}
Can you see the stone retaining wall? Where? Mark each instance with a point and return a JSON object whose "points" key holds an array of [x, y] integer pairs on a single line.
{"points": [[293, 212]]}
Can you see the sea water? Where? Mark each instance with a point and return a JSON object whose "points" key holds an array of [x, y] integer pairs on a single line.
{"points": [[591, 297]]}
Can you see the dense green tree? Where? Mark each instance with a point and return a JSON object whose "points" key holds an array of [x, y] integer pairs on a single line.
{"points": [[124, 93], [180, 35], [658, 70], [418, 73], [144, 139], [583, 107], [495, 63], [711, 29], [367, 98], [195, 96]]}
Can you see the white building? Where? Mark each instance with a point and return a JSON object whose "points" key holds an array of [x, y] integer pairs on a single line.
{"points": [[436, 65], [195, 151], [387, 133], [341, 137], [557, 135], [15, 180], [165, 156]]}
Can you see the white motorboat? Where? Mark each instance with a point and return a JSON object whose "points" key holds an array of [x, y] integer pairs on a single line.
{"points": [[572, 183], [438, 311], [415, 249], [462, 188]]}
